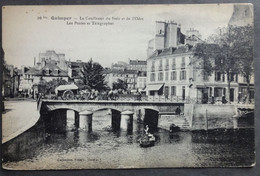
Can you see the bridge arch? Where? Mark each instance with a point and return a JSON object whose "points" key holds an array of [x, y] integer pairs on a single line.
{"points": [[151, 108], [114, 115], [104, 108], [63, 108], [59, 119], [151, 118]]}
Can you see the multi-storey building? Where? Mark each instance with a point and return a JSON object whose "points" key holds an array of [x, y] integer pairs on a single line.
{"points": [[139, 65], [129, 76], [141, 81], [119, 66], [10, 79], [53, 57], [175, 73], [31, 76], [167, 34]]}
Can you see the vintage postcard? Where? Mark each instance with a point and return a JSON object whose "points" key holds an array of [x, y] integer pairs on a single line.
{"points": [[127, 86]]}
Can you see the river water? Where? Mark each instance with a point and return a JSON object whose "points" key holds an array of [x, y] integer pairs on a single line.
{"points": [[38, 149]]}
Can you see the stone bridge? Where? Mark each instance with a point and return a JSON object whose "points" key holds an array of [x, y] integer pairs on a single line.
{"points": [[154, 114], [122, 112]]}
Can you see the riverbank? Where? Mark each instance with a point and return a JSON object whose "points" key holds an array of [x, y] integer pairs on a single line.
{"points": [[18, 116]]}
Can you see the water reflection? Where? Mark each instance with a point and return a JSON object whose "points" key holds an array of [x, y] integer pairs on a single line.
{"points": [[197, 148]]}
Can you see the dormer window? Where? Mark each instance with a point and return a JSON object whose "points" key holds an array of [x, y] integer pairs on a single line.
{"points": [[47, 71], [56, 71]]}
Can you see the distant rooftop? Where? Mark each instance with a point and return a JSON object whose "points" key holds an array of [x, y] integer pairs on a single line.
{"points": [[137, 62]]}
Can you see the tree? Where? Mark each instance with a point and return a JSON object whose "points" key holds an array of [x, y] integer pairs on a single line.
{"points": [[120, 84], [54, 83], [225, 50], [245, 54], [93, 76]]}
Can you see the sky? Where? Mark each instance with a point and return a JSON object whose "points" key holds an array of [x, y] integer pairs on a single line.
{"points": [[25, 35]]}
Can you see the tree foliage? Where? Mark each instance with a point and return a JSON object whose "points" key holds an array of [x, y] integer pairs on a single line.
{"points": [[231, 50], [54, 83], [120, 84], [93, 76]]}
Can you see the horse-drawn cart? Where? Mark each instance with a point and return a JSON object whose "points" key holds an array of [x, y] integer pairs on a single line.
{"points": [[67, 92]]}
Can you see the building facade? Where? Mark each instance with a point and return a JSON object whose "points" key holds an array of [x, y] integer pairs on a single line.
{"points": [[10, 79], [174, 73], [167, 34], [138, 65], [51, 56], [32, 76], [141, 81], [128, 76]]}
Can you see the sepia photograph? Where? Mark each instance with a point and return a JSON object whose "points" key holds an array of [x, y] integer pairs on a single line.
{"points": [[127, 86]]}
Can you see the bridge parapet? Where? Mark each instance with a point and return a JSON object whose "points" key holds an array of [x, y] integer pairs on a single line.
{"points": [[93, 105]]}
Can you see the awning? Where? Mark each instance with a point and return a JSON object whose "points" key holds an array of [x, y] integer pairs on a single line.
{"points": [[66, 87], [143, 90], [154, 87]]}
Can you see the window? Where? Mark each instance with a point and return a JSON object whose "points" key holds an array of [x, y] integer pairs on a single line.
{"points": [[160, 66], [183, 62], [166, 91], [167, 64], [160, 76], [234, 76], [244, 79], [56, 71], [218, 92], [173, 64], [152, 92], [173, 90], [205, 76], [183, 75], [47, 71], [152, 77], [173, 75], [166, 76], [217, 76], [153, 67]]}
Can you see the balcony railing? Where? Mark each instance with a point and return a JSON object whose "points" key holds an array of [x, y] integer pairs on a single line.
{"points": [[173, 67], [166, 67], [160, 68]]}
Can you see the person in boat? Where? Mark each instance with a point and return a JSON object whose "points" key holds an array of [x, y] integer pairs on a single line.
{"points": [[146, 129]]}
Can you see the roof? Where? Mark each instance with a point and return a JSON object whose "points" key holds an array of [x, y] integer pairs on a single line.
{"points": [[114, 71], [66, 87], [172, 51], [52, 67], [33, 71], [76, 64], [137, 62], [76, 72]]}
